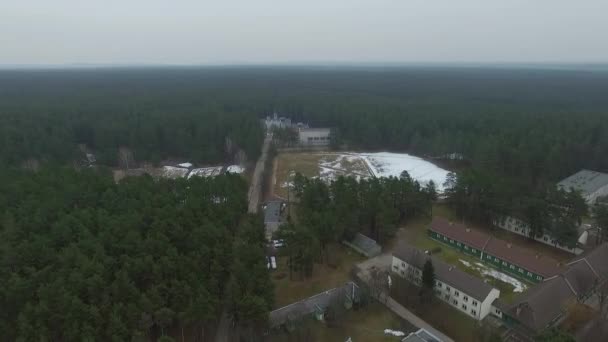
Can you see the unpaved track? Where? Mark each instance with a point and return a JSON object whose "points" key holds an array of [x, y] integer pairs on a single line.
{"points": [[255, 189]]}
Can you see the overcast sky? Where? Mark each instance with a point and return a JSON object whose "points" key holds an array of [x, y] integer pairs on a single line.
{"points": [[301, 31]]}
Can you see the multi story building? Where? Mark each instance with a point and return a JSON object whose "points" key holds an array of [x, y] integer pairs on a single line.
{"points": [[500, 254], [314, 136], [467, 293], [522, 228]]}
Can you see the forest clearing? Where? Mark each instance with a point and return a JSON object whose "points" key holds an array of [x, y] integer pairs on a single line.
{"points": [[330, 165]]}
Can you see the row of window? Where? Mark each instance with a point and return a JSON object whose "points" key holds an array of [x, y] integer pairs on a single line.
{"points": [[318, 138], [457, 243], [439, 285], [511, 266]]}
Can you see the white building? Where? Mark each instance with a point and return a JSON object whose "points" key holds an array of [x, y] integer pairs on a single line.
{"points": [[463, 291], [591, 184], [314, 136], [522, 228]]}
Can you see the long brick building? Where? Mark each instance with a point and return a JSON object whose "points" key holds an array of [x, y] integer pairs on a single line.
{"points": [[502, 255]]}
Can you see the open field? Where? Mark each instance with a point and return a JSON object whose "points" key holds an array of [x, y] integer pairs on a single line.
{"points": [[325, 276], [330, 165], [363, 325]]}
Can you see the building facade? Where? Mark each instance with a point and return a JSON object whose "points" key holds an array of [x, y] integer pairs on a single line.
{"points": [[520, 227], [471, 295], [314, 136], [497, 253]]}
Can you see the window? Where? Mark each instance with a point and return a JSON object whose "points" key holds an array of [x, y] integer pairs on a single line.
{"points": [[455, 302], [466, 247], [451, 241], [445, 238], [447, 288], [545, 238], [402, 264], [512, 267], [447, 297], [539, 277], [439, 284], [496, 259], [456, 293], [396, 267], [521, 270], [504, 263], [497, 312], [466, 299], [473, 312], [464, 307], [529, 274], [474, 250], [474, 303], [309, 138], [488, 257], [403, 273]]}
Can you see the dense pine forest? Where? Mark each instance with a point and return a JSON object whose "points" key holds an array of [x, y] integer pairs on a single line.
{"points": [[85, 259]]}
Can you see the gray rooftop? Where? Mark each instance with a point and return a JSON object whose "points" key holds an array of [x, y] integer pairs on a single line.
{"points": [[585, 181], [448, 274], [272, 212], [421, 336]]}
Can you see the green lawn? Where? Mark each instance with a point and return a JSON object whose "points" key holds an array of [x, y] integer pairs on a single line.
{"points": [[325, 276], [415, 233], [362, 325]]}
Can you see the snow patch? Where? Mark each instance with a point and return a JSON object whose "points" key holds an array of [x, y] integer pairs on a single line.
{"points": [[235, 169], [486, 271], [206, 172], [186, 165], [394, 332], [386, 164], [174, 172]]}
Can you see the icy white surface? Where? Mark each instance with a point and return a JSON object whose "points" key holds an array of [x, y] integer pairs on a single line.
{"points": [[518, 286], [235, 169], [394, 332], [206, 171], [385, 164], [174, 172], [186, 165]]}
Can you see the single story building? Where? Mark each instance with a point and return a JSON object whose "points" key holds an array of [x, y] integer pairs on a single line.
{"points": [[272, 217], [467, 293], [500, 254], [314, 136], [591, 184], [544, 305]]}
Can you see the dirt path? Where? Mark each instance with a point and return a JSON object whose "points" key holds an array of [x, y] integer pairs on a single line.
{"points": [[255, 189]]}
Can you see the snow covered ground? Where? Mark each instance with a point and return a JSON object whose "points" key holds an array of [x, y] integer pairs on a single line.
{"points": [[206, 171], [174, 172], [235, 169], [381, 164], [385, 164], [484, 270]]}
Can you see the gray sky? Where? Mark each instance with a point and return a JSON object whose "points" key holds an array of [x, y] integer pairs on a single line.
{"points": [[301, 31]]}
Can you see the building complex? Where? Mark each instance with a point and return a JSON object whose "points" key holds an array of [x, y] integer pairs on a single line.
{"points": [[467, 293], [500, 254]]}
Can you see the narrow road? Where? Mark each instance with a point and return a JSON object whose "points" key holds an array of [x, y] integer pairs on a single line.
{"points": [[255, 193], [255, 189], [382, 262]]}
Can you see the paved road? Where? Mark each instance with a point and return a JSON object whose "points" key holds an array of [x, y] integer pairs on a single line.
{"points": [[255, 189], [383, 263]]}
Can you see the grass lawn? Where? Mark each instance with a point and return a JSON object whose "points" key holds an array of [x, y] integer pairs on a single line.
{"points": [[438, 314], [362, 325], [325, 276], [307, 163], [415, 233]]}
